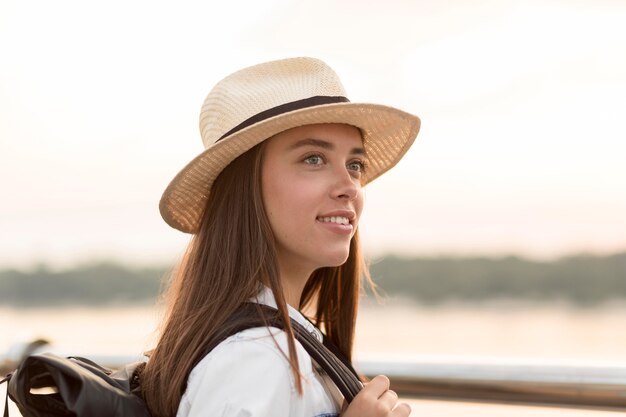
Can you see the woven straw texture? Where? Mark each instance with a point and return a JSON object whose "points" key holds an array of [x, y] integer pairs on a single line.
{"points": [[387, 132]]}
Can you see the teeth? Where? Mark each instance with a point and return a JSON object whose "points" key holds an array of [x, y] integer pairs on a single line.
{"points": [[335, 219]]}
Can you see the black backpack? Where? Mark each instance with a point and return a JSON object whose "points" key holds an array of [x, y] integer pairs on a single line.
{"points": [[83, 388]]}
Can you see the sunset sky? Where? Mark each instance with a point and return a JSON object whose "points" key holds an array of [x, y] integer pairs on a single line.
{"points": [[523, 107]]}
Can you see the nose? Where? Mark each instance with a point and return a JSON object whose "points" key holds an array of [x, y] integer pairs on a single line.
{"points": [[345, 186]]}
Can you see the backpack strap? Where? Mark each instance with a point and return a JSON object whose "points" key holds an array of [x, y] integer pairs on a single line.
{"points": [[325, 353], [6, 395], [341, 374], [339, 354]]}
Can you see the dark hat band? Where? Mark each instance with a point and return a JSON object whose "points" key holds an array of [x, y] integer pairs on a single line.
{"points": [[286, 108]]}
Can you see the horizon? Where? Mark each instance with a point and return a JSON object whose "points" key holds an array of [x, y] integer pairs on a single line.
{"points": [[129, 265]]}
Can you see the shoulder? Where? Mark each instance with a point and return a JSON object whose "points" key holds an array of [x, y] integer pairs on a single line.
{"points": [[269, 343], [249, 364], [259, 347]]}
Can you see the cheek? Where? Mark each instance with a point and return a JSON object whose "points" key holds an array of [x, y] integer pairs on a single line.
{"points": [[292, 204], [288, 202], [359, 203], [291, 200]]}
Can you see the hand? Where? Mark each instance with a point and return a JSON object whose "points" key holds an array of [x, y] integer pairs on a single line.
{"points": [[377, 400]]}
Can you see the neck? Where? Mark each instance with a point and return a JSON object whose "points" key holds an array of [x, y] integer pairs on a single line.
{"points": [[293, 280]]}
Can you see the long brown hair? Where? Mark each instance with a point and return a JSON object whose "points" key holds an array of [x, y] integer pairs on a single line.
{"points": [[225, 264]]}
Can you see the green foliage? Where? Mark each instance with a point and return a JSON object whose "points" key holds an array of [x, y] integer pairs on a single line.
{"points": [[99, 284], [582, 280]]}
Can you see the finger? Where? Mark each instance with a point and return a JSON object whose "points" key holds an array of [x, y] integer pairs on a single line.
{"points": [[377, 386], [389, 399], [401, 410]]}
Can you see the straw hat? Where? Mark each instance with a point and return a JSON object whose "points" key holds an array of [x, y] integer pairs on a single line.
{"points": [[255, 103]]}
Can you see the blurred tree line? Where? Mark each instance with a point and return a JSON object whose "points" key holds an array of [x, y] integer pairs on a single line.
{"points": [[97, 284], [581, 280]]}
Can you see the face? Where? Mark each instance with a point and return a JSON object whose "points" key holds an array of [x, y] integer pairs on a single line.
{"points": [[311, 181]]}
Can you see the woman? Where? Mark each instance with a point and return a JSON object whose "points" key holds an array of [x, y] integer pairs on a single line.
{"points": [[273, 204]]}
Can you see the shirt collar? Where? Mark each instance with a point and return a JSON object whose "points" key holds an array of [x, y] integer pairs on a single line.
{"points": [[267, 297]]}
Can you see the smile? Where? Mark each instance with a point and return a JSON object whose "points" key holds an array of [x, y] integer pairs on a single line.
{"points": [[334, 219]]}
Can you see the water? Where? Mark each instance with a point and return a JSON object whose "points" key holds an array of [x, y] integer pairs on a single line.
{"points": [[500, 330]]}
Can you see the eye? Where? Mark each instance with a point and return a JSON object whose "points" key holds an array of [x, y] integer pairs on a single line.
{"points": [[314, 159], [357, 165]]}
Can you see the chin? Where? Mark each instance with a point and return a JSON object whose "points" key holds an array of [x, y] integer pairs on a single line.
{"points": [[336, 259]]}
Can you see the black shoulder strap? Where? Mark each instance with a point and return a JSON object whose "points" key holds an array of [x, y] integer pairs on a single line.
{"points": [[6, 396], [336, 366], [325, 354]]}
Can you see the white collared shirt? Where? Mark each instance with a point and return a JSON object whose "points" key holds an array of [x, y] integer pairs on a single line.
{"points": [[248, 376]]}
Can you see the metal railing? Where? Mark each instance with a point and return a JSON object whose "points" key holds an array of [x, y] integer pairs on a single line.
{"points": [[510, 381]]}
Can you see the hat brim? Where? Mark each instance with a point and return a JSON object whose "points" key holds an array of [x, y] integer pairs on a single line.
{"points": [[387, 135]]}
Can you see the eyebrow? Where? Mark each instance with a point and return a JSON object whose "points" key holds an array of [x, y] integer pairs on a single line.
{"points": [[324, 145]]}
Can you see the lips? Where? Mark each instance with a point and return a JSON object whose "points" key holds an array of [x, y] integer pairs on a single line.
{"points": [[342, 222]]}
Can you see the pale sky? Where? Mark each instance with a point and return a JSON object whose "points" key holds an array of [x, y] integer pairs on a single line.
{"points": [[523, 107]]}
